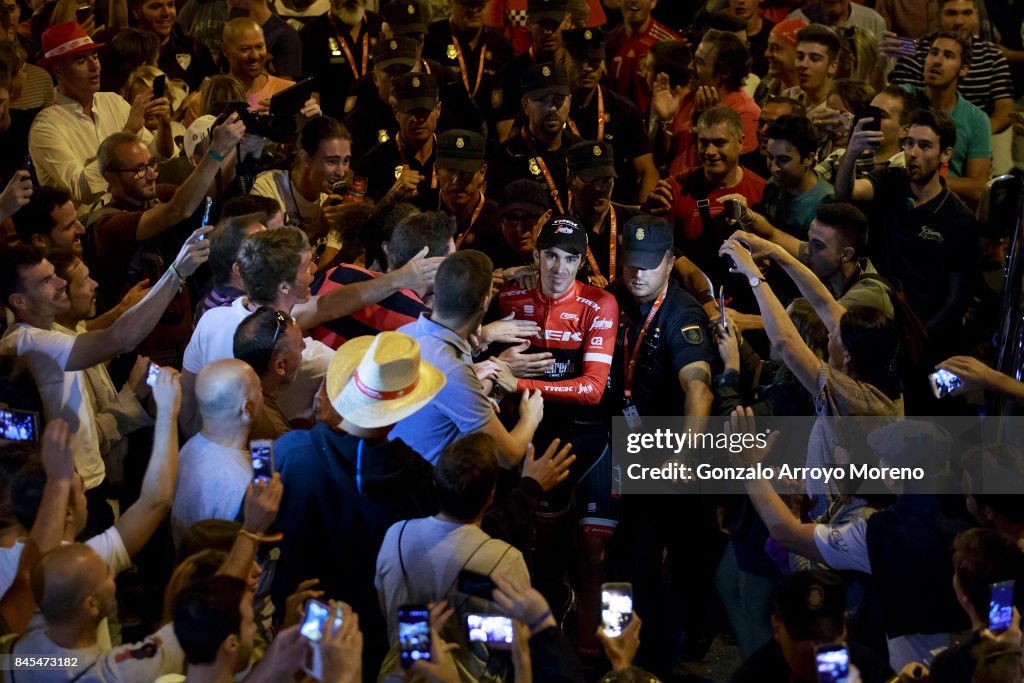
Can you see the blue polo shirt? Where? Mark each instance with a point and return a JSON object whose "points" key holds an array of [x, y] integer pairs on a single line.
{"points": [[461, 406], [973, 131]]}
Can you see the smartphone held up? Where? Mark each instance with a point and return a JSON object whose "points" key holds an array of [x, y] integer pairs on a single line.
{"points": [[616, 608]]}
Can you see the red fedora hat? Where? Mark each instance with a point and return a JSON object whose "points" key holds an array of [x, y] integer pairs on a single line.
{"points": [[65, 40]]}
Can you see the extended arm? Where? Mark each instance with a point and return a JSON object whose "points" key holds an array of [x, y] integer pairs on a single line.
{"points": [[190, 193], [262, 501], [140, 521], [783, 335], [848, 186], [131, 328], [810, 285], [417, 274]]}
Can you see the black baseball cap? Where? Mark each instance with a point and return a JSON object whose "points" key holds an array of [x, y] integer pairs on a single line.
{"points": [[544, 79], [584, 43], [811, 604], [591, 160], [645, 239], [462, 150], [539, 10], [525, 195], [415, 91], [404, 17], [397, 50], [565, 233]]}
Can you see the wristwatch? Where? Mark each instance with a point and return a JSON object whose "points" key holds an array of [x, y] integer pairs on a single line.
{"points": [[755, 281]]}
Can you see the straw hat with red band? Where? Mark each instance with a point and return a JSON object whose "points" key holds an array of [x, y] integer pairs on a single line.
{"points": [[66, 40], [378, 381]]}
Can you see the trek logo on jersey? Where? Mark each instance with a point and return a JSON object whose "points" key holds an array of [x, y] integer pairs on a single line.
{"points": [[602, 324], [588, 302], [569, 316], [560, 368], [563, 336]]}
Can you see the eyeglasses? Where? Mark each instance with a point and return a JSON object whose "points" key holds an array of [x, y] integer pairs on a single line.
{"points": [[281, 323], [139, 172]]}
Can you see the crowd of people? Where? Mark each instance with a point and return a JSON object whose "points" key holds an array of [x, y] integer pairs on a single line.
{"points": [[328, 307]]}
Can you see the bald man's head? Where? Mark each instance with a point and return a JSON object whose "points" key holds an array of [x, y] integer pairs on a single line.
{"points": [[245, 48], [228, 393], [72, 582]]}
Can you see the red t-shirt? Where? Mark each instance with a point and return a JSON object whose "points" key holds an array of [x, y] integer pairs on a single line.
{"points": [[625, 52], [685, 214]]}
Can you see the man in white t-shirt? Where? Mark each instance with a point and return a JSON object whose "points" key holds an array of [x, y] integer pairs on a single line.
{"points": [[277, 269], [32, 291], [215, 463]]}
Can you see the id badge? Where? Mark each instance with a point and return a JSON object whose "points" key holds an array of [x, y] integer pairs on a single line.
{"points": [[632, 416]]}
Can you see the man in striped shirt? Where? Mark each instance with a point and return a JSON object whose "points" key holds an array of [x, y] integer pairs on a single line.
{"points": [[432, 230], [987, 85]]}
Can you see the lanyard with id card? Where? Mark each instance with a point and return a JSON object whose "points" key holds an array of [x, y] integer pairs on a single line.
{"points": [[629, 410]]}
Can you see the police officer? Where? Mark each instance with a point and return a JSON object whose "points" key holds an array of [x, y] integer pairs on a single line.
{"points": [[402, 168], [591, 182], [538, 151], [471, 54], [598, 113], [460, 173], [547, 19], [336, 51], [372, 120], [664, 353]]}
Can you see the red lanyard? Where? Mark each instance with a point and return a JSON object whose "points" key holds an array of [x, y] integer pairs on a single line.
{"points": [[538, 162], [472, 221], [611, 250], [462, 65], [628, 386], [405, 162], [600, 118], [343, 42]]}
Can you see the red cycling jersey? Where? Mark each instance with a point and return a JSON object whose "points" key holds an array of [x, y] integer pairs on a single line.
{"points": [[578, 329]]}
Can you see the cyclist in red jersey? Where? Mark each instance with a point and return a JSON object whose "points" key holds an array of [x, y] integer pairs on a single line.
{"points": [[569, 364], [577, 321]]}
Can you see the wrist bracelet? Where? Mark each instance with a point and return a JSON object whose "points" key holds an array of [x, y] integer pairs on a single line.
{"points": [[174, 270], [215, 156], [535, 624]]}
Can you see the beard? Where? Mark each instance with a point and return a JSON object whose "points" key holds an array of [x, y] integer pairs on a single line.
{"points": [[349, 15]]}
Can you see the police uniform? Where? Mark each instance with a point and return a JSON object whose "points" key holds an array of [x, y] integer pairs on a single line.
{"points": [[383, 164], [607, 116], [505, 103], [463, 150], [521, 156], [335, 61], [591, 160], [372, 120], [479, 84], [649, 525], [679, 334]]}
